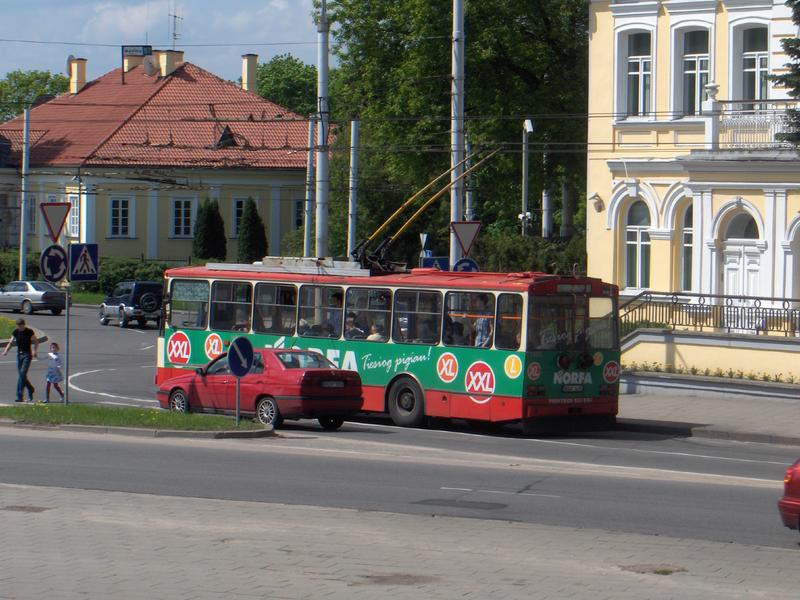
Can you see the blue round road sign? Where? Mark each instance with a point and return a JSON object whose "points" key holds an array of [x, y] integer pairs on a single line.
{"points": [[54, 264], [466, 265], [240, 356]]}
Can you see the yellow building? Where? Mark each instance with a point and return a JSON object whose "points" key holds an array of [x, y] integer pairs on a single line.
{"points": [[688, 188], [136, 151]]}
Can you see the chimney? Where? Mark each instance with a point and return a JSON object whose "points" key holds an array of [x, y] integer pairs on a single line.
{"points": [[168, 60], [249, 70], [132, 61], [77, 75]]}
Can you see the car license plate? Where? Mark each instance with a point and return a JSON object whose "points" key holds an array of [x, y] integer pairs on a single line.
{"points": [[332, 384], [571, 388]]}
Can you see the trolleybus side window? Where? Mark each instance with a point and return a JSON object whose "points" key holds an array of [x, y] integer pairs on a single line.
{"points": [[469, 319], [275, 308], [417, 317], [231, 305], [509, 321], [321, 311], [367, 314], [188, 306]]}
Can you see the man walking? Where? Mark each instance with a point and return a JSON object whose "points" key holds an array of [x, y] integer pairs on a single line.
{"points": [[27, 346]]}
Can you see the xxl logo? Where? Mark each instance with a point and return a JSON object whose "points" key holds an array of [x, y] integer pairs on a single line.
{"points": [[611, 371], [479, 379], [213, 346], [179, 349], [572, 377], [447, 367]]}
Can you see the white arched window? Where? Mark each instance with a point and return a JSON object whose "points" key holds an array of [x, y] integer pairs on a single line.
{"points": [[742, 227], [637, 246], [694, 70], [686, 249], [638, 73]]}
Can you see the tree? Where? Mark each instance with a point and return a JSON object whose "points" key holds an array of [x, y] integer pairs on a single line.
{"points": [[209, 232], [252, 237], [791, 79], [289, 82], [523, 60], [18, 89]]}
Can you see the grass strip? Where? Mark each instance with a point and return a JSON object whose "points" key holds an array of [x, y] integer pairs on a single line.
{"points": [[87, 297], [84, 414], [6, 327]]}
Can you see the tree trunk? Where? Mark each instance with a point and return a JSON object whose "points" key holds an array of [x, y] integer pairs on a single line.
{"points": [[568, 194]]}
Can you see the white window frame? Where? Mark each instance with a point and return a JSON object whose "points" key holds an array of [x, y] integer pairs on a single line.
{"points": [[236, 215], [32, 213], [696, 69], [131, 216], [687, 242], [622, 37], [193, 216], [757, 57], [739, 20], [74, 217], [642, 240], [678, 110]]}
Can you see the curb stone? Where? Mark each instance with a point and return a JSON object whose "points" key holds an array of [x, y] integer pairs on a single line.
{"points": [[268, 431], [673, 429]]}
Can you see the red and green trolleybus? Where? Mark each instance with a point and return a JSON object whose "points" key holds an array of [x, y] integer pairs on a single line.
{"points": [[495, 347]]}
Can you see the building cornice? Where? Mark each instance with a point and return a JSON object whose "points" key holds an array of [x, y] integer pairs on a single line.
{"points": [[634, 9], [623, 168], [677, 7]]}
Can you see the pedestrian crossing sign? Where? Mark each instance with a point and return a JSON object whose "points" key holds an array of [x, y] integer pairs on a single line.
{"points": [[84, 263]]}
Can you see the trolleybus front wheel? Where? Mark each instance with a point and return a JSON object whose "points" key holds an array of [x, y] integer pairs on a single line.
{"points": [[406, 403]]}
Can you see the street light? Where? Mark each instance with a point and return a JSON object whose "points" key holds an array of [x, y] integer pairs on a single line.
{"points": [[525, 216]]}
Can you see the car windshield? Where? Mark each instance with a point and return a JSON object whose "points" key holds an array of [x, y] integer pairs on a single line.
{"points": [[304, 360], [44, 286]]}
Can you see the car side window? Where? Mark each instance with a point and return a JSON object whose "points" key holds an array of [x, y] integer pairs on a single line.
{"points": [[219, 367], [118, 291]]}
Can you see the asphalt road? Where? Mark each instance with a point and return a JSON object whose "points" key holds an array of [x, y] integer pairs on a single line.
{"points": [[701, 489]]}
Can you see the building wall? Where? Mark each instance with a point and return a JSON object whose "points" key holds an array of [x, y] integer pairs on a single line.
{"points": [[671, 161]]}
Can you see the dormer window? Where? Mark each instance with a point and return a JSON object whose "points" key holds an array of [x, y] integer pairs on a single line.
{"points": [[695, 70], [226, 139], [639, 74]]}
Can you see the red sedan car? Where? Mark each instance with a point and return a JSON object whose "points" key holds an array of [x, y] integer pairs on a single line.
{"points": [[282, 384], [789, 505]]}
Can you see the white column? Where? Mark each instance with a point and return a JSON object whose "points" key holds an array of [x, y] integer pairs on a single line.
{"points": [[707, 267], [152, 224], [88, 211], [275, 221], [775, 251], [697, 241]]}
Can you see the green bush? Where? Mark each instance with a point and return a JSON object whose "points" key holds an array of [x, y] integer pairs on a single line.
{"points": [[9, 266], [114, 269]]}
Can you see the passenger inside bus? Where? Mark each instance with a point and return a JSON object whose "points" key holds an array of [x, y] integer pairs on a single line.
{"points": [[351, 330], [376, 333]]}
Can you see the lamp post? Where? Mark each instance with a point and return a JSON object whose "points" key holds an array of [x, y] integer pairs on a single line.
{"points": [[525, 216]]}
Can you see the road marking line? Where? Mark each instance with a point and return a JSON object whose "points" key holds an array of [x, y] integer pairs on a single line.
{"points": [[456, 489], [72, 386], [148, 347]]}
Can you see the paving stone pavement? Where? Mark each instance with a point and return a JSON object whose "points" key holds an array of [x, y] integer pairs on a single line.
{"points": [[68, 544]]}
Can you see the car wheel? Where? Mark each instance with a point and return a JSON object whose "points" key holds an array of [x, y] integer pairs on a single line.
{"points": [[55, 311], [123, 320], [331, 423], [406, 403], [26, 308], [103, 317], [179, 401], [267, 412]]}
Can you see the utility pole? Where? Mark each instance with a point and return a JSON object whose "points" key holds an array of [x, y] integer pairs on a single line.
{"points": [[23, 204], [323, 171], [457, 125], [547, 205], [308, 213], [525, 215], [351, 210], [469, 207]]}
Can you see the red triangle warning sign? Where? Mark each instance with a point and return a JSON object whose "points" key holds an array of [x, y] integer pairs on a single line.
{"points": [[466, 232], [55, 215]]}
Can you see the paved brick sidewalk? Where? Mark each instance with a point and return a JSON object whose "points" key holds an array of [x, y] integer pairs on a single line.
{"points": [[62, 543]]}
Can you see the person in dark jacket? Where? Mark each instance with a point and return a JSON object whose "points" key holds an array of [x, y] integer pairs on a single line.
{"points": [[27, 346]]}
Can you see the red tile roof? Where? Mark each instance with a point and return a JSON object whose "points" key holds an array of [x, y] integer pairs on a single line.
{"points": [[174, 121]]}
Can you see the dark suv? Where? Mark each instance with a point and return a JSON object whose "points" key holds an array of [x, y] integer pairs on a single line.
{"points": [[138, 301]]}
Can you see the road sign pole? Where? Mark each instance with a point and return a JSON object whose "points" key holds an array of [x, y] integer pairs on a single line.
{"points": [[66, 350], [238, 382]]}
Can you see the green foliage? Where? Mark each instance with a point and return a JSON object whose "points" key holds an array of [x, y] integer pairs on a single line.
{"points": [[505, 250], [209, 232], [19, 89], [288, 82], [252, 237], [394, 74], [9, 266], [6, 327], [114, 269]]}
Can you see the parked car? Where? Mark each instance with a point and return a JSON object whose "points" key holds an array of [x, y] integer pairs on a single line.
{"points": [[789, 504], [283, 384], [30, 296], [138, 301]]}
